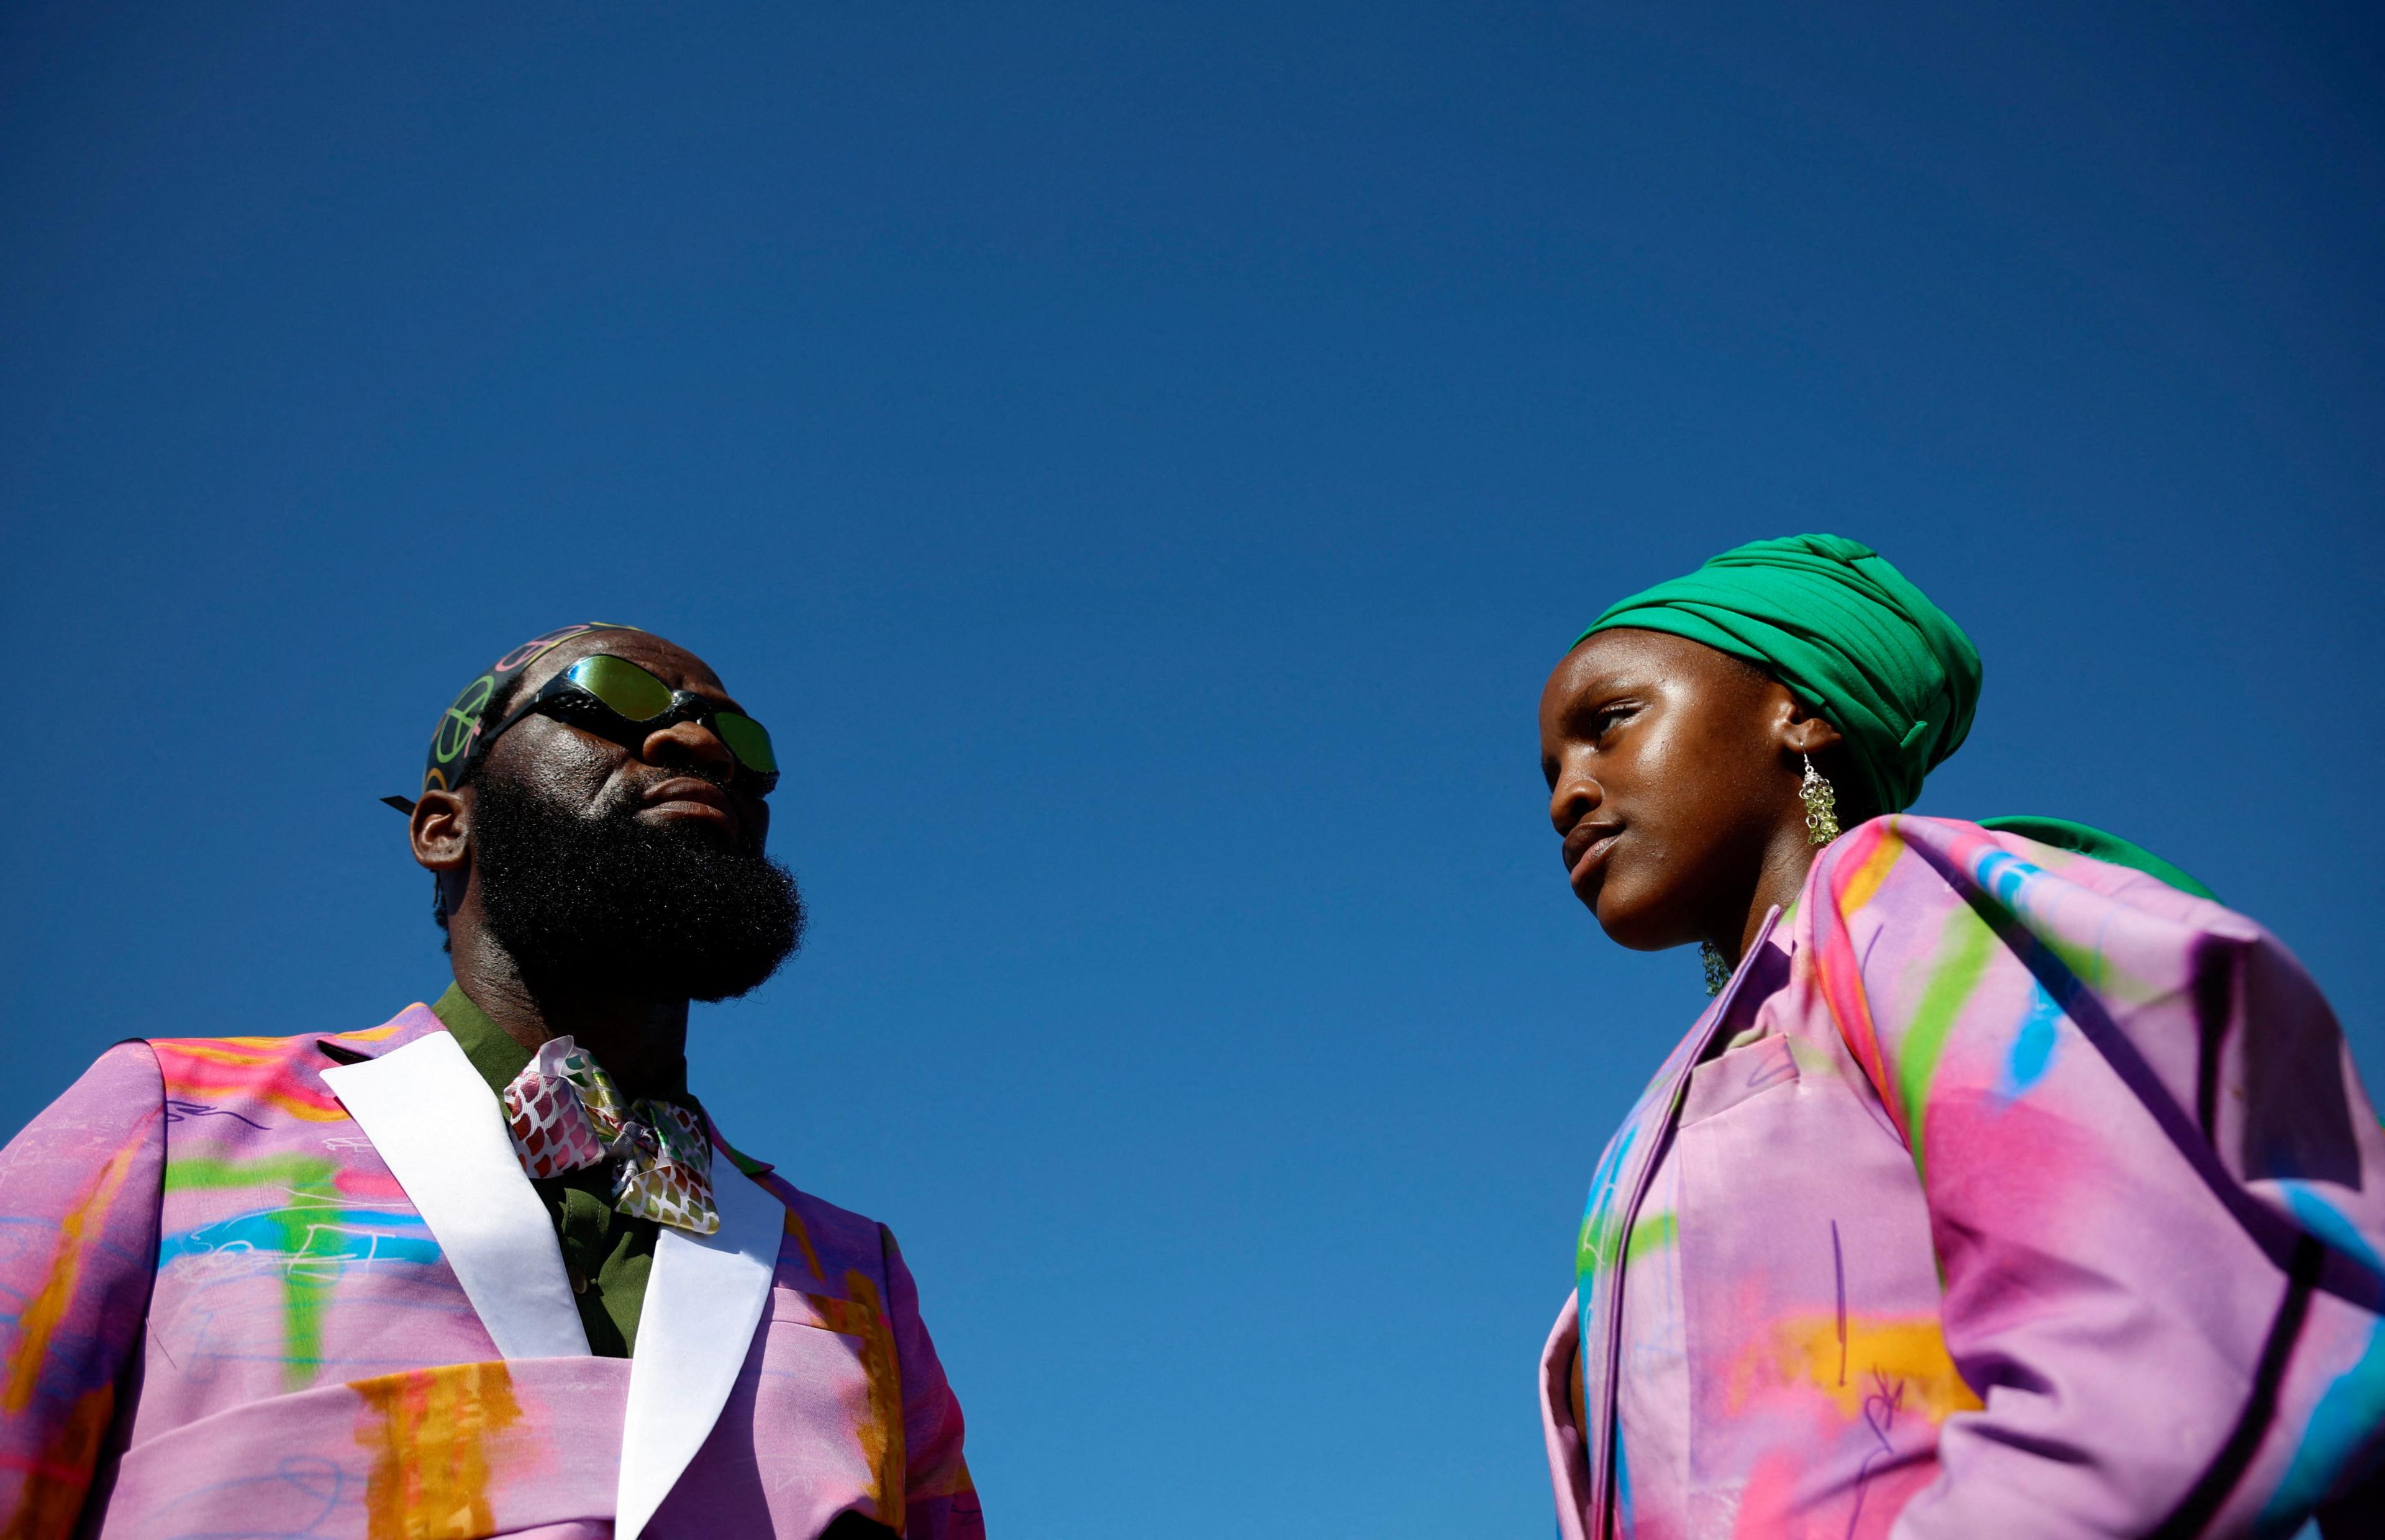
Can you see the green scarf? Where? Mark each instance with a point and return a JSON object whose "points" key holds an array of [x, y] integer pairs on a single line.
{"points": [[2103, 845], [1854, 640], [1848, 635]]}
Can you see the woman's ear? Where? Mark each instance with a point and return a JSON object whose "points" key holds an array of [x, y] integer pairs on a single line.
{"points": [[1806, 732]]}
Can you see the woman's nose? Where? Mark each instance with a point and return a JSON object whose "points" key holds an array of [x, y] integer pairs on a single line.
{"points": [[1573, 798]]}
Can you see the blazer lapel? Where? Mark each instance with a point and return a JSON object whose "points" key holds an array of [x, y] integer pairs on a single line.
{"points": [[704, 1302], [431, 1116], [1601, 1381]]}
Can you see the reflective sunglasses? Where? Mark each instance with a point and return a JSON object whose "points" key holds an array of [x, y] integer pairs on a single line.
{"points": [[616, 700]]}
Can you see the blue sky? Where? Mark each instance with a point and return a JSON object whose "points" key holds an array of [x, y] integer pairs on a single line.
{"points": [[1142, 462]]}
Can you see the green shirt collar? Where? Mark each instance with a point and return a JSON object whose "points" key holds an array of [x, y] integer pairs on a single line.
{"points": [[498, 1059], [496, 1056]]}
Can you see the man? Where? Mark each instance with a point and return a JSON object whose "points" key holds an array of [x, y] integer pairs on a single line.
{"points": [[488, 1268]]}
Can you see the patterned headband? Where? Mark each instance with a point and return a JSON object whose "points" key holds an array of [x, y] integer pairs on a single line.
{"points": [[456, 745]]}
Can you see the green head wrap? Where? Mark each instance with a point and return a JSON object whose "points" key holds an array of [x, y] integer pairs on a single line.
{"points": [[1848, 635], [1851, 638], [2103, 845]]}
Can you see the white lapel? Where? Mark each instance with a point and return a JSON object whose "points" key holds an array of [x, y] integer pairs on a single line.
{"points": [[704, 1300], [431, 1116]]}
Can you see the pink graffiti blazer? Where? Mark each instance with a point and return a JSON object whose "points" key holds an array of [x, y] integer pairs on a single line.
{"points": [[252, 1289]]}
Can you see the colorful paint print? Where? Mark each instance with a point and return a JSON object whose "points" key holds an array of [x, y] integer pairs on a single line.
{"points": [[203, 1219], [2002, 1192]]}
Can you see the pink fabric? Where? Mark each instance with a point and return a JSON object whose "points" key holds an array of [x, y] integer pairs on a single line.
{"points": [[1652, 1402], [2118, 1122], [305, 1342], [1560, 1427]]}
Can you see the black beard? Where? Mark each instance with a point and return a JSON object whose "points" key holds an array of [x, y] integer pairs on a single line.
{"points": [[600, 903]]}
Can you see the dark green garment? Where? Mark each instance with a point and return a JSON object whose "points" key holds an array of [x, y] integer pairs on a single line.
{"points": [[1853, 639], [607, 1253], [1847, 633], [2103, 845]]}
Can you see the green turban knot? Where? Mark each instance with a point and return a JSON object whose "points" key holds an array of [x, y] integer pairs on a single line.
{"points": [[1848, 635]]}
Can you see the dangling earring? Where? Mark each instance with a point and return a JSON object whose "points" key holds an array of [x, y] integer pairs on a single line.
{"points": [[1718, 970], [1821, 800]]}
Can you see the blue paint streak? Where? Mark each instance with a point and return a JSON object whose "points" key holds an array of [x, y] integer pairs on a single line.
{"points": [[2003, 875], [1622, 1481], [331, 1234], [2350, 1410], [2033, 1045], [2339, 1427], [1593, 1217], [2327, 1221]]}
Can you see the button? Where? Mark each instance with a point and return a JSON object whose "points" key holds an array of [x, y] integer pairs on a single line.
{"points": [[578, 1279]]}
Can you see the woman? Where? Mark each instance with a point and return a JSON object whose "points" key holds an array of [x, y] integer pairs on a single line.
{"points": [[2008, 1187]]}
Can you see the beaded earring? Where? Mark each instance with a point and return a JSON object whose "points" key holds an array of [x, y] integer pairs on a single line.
{"points": [[1821, 800], [1717, 969]]}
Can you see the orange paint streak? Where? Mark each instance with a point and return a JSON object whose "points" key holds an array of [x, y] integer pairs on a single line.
{"points": [[50, 1503], [957, 1484], [430, 1433], [49, 1303], [1859, 865], [1906, 1356], [1858, 886], [233, 1050], [881, 1433], [257, 1050], [795, 1227], [201, 1068]]}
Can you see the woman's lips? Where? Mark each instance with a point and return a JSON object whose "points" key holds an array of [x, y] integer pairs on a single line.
{"points": [[1586, 849]]}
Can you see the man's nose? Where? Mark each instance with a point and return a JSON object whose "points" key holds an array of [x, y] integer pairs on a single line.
{"points": [[690, 745]]}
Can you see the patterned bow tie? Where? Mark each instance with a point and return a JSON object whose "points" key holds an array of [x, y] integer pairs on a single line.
{"points": [[564, 1112]]}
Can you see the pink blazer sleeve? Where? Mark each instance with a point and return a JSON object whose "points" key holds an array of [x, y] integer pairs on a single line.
{"points": [[79, 1197], [2156, 1188], [940, 1501]]}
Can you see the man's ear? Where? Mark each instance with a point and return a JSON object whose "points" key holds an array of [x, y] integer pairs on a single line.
{"points": [[441, 830]]}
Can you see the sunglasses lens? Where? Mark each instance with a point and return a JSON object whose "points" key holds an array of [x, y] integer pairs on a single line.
{"points": [[746, 739], [623, 686]]}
